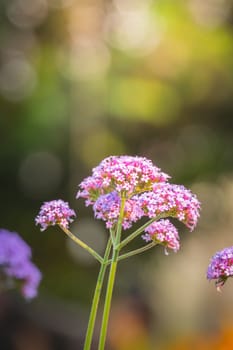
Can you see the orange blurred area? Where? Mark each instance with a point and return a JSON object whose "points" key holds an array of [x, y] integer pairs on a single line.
{"points": [[222, 340], [128, 327]]}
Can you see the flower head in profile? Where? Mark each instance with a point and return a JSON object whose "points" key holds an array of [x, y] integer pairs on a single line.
{"points": [[221, 267], [171, 200], [127, 175], [145, 189], [16, 265], [163, 232], [56, 212]]}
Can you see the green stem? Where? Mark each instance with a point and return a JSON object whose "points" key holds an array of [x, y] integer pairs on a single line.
{"points": [[96, 297], [111, 280], [108, 300], [112, 236], [82, 244], [138, 231], [120, 220], [137, 251]]}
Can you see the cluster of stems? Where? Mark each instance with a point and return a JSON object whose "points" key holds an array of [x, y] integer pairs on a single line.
{"points": [[111, 258]]}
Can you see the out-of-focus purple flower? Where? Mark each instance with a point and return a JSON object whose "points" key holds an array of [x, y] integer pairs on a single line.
{"points": [[15, 263], [221, 267], [56, 212], [126, 175], [107, 208], [170, 200], [163, 232]]}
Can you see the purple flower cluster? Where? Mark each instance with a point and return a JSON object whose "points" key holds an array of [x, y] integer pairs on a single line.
{"points": [[56, 212], [165, 199], [124, 174], [221, 266], [15, 263], [163, 232], [107, 208]]}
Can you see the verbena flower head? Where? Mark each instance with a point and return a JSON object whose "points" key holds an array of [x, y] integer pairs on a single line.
{"points": [[126, 175], [15, 263], [145, 189], [170, 200], [56, 212], [221, 267], [163, 232], [107, 208]]}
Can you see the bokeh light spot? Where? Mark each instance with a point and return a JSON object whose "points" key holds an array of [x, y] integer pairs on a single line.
{"points": [[40, 174], [100, 144], [57, 4], [27, 14], [17, 78], [140, 99]]}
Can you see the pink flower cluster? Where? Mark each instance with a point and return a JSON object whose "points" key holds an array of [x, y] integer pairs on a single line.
{"points": [[163, 232], [56, 212], [165, 200], [126, 175], [221, 266], [170, 200], [146, 193]]}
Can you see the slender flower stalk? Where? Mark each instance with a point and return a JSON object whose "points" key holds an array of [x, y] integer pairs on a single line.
{"points": [[136, 233], [111, 281], [96, 298], [82, 244], [112, 235], [137, 251]]}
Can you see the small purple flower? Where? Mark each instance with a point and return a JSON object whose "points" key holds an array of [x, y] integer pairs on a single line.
{"points": [[221, 267], [163, 232], [107, 208], [15, 263], [56, 212]]}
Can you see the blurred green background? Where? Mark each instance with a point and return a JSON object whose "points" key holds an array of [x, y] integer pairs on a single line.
{"points": [[81, 80]]}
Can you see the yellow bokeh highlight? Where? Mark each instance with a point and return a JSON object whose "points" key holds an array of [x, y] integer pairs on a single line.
{"points": [[144, 100], [99, 144]]}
